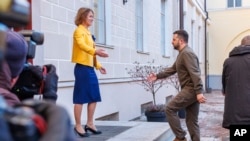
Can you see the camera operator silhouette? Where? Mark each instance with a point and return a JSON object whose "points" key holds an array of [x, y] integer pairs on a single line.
{"points": [[29, 120], [12, 65]]}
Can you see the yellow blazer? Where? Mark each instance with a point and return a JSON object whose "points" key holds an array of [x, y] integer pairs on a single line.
{"points": [[83, 48]]}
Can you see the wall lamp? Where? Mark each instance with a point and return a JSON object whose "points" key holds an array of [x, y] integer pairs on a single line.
{"points": [[125, 1]]}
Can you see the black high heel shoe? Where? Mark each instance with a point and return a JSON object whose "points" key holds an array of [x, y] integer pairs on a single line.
{"points": [[81, 134], [86, 128]]}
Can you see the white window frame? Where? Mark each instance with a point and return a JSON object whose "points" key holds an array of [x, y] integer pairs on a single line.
{"points": [[234, 3], [200, 46], [102, 32], [192, 37], [139, 25], [163, 27]]}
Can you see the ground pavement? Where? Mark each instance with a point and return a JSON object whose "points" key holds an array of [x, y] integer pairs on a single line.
{"points": [[210, 119]]}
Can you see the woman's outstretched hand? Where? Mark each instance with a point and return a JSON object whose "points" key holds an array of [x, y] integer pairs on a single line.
{"points": [[101, 53], [102, 70]]}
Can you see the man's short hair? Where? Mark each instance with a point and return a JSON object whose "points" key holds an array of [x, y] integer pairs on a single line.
{"points": [[182, 34], [246, 40]]}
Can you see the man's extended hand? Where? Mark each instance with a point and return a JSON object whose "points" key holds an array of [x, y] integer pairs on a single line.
{"points": [[101, 53], [152, 77], [201, 98]]}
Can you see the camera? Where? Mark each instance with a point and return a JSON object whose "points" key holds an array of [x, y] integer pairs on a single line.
{"points": [[33, 38]]}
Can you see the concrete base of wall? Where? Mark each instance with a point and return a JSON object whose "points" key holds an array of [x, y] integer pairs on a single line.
{"points": [[214, 82]]}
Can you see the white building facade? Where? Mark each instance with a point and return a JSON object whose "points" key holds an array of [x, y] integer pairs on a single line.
{"points": [[129, 30]]}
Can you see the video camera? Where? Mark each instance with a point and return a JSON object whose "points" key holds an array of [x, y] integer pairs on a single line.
{"points": [[33, 38]]}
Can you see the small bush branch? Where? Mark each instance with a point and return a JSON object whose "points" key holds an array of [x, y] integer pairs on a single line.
{"points": [[174, 81], [140, 73]]}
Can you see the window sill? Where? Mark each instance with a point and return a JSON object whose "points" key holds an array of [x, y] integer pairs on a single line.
{"points": [[142, 52], [105, 46], [164, 56], [234, 8]]}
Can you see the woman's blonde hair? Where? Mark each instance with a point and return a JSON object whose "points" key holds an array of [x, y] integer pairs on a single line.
{"points": [[81, 15]]}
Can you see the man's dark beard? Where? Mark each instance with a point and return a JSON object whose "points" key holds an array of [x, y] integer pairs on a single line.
{"points": [[177, 47]]}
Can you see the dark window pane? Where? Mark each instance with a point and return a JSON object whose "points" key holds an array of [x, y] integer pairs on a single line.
{"points": [[230, 3], [139, 42], [162, 6], [98, 28], [99, 32], [139, 24], [237, 3]]}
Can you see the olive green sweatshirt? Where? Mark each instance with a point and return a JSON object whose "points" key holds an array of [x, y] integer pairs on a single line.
{"points": [[188, 70]]}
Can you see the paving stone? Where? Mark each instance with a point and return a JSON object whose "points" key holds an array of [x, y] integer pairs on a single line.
{"points": [[210, 119], [107, 132]]}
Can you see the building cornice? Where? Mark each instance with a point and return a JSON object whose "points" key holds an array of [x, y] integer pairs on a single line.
{"points": [[198, 7]]}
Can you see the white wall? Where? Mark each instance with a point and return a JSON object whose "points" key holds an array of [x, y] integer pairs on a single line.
{"points": [[55, 18]]}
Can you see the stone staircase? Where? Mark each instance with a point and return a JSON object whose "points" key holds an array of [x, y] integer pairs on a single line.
{"points": [[140, 131], [210, 119]]}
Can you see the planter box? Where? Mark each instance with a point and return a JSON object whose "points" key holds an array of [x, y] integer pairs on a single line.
{"points": [[156, 116]]}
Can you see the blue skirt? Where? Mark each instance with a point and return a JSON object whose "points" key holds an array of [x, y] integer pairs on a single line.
{"points": [[86, 88]]}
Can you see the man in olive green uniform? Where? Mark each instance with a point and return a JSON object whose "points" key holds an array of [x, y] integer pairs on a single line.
{"points": [[191, 94]]}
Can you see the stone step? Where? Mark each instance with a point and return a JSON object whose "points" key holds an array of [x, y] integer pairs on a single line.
{"points": [[140, 131], [166, 136]]}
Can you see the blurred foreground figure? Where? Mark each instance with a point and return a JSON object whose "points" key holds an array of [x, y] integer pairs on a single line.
{"points": [[12, 65], [30, 120]]}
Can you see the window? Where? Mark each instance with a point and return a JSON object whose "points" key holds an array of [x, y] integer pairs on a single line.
{"points": [[233, 3], [139, 24], [192, 35], [200, 45], [98, 28], [163, 36], [237, 3]]}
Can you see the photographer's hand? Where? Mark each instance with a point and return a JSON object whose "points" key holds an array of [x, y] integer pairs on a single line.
{"points": [[101, 53]]}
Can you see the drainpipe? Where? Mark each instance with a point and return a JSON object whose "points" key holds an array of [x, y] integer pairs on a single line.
{"points": [[181, 14], [207, 88]]}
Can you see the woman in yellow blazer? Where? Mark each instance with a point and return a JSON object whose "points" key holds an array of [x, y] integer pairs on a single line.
{"points": [[86, 88]]}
